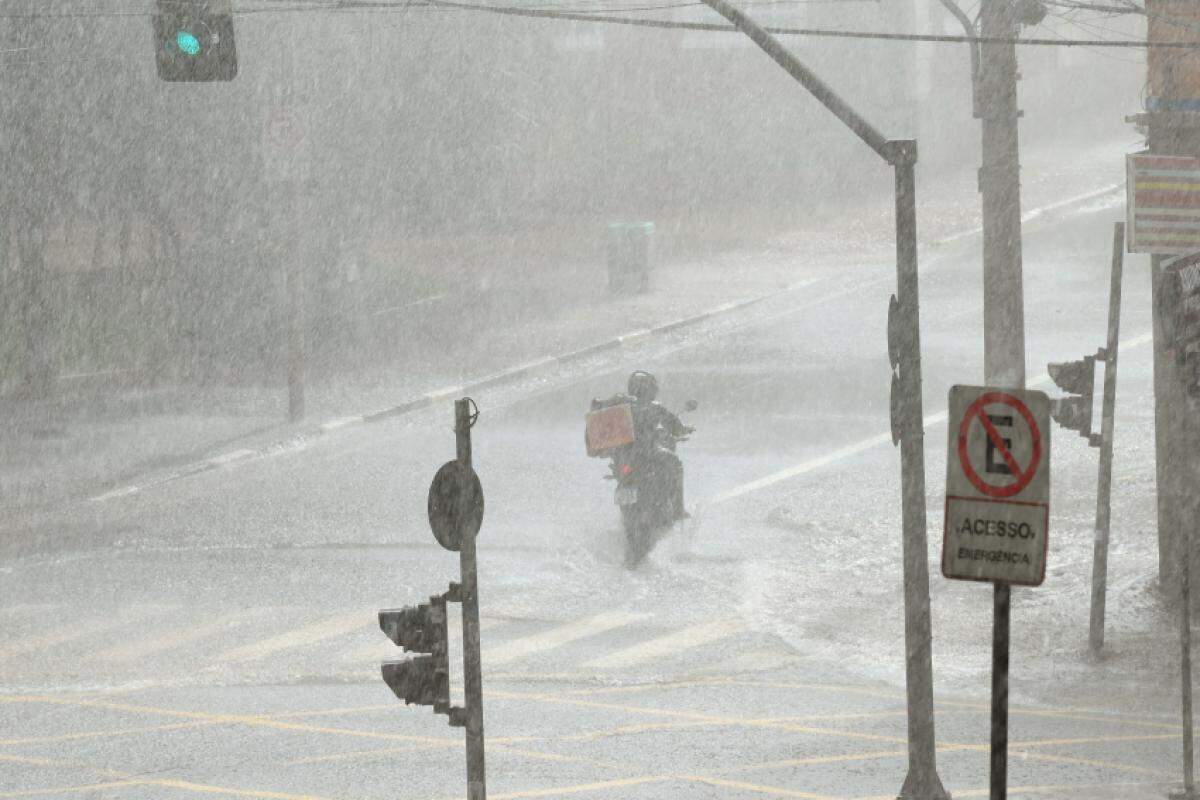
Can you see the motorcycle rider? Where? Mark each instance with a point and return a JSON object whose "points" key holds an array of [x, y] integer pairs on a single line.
{"points": [[648, 416]]}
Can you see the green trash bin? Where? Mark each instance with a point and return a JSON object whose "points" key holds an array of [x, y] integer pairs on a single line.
{"points": [[628, 246]]}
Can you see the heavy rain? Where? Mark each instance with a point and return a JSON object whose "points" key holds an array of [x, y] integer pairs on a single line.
{"points": [[598, 398]]}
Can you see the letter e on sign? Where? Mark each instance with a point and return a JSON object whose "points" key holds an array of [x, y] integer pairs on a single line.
{"points": [[997, 485]]}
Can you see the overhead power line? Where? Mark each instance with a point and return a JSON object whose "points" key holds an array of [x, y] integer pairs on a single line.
{"points": [[779, 31]]}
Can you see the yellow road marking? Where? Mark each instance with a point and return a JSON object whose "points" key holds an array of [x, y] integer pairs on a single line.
{"points": [[183, 634], [581, 788], [674, 642], [201, 788], [62, 632], [71, 737], [61, 790], [775, 791], [309, 634], [526, 646], [692, 715], [233, 719], [808, 761], [1042, 789]]}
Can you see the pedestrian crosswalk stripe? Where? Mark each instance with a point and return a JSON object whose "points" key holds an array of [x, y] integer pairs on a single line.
{"points": [[523, 647], [68, 628], [674, 642], [182, 634], [309, 634]]}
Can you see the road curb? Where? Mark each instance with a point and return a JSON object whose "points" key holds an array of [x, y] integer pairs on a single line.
{"points": [[304, 438]]}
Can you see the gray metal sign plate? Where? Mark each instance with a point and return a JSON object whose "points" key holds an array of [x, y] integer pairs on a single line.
{"points": [[997, 485]]}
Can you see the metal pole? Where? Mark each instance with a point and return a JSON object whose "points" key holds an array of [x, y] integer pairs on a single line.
{"points": [[1185, 649], [999, 760], [1104, 479], [293, 272], [922, 781], [999, 185], [472, 669]]}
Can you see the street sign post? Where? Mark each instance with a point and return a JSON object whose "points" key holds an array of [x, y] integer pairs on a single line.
{"points": [[997, 518], [997, 486]]}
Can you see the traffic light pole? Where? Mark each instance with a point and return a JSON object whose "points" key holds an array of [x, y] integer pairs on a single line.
{"points": [[1104, 476], [472, 668], [921, 782]]}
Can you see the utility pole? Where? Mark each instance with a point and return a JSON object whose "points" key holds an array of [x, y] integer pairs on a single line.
{"points": [[1000, 188], [1003, 290], [904, 353]]}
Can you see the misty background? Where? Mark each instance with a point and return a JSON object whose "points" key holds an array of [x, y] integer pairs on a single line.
{"points": [[456, 168]]}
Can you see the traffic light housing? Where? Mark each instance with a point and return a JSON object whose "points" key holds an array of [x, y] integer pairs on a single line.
{"points": [[1077, 378], [424, 680], [193, 40]]}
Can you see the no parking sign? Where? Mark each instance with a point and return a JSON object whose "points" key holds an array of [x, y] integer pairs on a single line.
{"points": [[997, 486]]}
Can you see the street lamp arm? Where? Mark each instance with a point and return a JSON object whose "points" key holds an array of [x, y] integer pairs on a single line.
{"points": [[807, 78], [969, 28]]}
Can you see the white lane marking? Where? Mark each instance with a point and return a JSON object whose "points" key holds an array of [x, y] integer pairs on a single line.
{"points": [[863, 445], [634, 336], [309, 634], [182, 634], [340, 422], [556, 637], [115, 493], [442, 394], [62, 631], [231, 456], [677, 641]]}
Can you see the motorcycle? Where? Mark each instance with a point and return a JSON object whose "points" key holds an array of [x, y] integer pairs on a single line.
{"points": [[645, 490]]}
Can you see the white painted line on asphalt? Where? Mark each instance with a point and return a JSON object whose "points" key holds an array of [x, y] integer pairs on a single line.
{"points": [[231, 456], [556, 637], [442, 394], [182, 634], [634, 336], [309, 634], [675, 642], [851, 450], [66, 628], [533, 366], [115, 493], [340, 422]]}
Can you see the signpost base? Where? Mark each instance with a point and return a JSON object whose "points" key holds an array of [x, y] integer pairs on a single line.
{"points": [[923, 787]]}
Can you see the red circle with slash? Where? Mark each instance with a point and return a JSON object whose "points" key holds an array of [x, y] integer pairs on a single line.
{"points": [[975, 413]]}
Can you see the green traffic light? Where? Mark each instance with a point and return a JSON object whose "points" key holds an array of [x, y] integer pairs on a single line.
{"points": [[188, 43]]}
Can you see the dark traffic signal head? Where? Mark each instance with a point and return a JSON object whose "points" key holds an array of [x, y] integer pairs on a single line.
{"points": [[193, 40], [1077, 378], [418, 629], [423, 681]]}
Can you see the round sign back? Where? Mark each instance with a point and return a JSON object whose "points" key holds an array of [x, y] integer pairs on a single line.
{"points": [[455, 504]]}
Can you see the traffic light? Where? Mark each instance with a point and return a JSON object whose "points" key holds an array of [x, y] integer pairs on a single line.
{"points": [[1079, 379], [193, 40], [424, 680]]}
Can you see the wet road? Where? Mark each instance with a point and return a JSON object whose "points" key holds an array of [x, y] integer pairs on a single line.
{"points": [[216, 634]]}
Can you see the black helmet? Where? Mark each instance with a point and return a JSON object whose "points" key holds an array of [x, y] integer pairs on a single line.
{"points": [[643, 386]]}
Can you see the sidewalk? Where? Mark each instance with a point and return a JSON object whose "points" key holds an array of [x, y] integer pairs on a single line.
{"points": [[90, 440]]}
